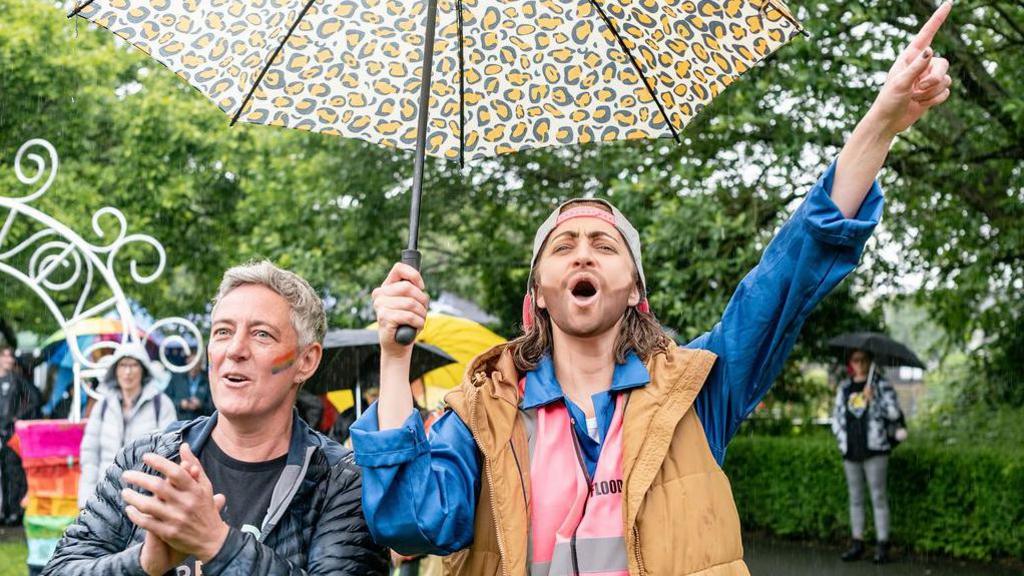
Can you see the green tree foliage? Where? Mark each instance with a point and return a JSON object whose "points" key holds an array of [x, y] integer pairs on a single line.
{"points": [[132, 134]]}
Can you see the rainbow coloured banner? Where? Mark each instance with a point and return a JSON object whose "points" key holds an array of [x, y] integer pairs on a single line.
{"points": [[50, 455]]}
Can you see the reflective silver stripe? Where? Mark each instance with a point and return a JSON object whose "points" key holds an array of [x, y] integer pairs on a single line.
{"points": [[540, 568], [592, 555]]}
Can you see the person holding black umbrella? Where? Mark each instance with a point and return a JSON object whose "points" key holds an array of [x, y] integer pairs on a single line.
{"points": [[592, 443], [865, 421]]}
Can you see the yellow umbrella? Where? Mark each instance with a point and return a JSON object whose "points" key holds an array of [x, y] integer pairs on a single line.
{"points": [[461, 338], [344, 399], [341, 399]]}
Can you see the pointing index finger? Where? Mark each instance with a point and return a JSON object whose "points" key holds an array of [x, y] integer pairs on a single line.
{"points": [[931, 27]]}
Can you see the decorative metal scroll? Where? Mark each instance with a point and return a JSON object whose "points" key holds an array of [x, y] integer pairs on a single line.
{"points": [[75, 278]]}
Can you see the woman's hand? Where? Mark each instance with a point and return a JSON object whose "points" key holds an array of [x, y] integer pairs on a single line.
{"points": [[917, 81], [400, 301]]}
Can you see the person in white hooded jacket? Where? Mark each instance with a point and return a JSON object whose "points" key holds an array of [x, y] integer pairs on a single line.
{"points": [[132, 406]]}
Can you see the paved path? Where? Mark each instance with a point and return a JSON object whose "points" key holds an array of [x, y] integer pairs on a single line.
{"points": [[784, 558]]}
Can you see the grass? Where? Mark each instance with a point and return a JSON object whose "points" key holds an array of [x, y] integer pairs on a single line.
{"points": [[12, 558]]}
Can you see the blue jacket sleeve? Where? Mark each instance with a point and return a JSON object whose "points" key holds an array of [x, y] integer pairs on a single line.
{"points": [[808, 257], [419, 495]]}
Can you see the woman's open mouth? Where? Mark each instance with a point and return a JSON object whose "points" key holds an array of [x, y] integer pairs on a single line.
{"points": [[584, 291]]}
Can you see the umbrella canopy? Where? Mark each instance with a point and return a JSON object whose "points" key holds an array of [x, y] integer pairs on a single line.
{"points": [[503, 76], [352, 359], [88, 333], [456, 78], [885, 350], [59, 353], [464, 339], [90, 327]]}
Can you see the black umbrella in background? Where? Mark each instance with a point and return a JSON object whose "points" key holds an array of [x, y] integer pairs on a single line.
{"points": [[886, 351], [352, 361]]}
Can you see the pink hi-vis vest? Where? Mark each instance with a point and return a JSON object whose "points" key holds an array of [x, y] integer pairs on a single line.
{"points": [[576, 524]]}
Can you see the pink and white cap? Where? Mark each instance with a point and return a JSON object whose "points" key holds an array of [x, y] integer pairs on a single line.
{"points": [[564, 213]]}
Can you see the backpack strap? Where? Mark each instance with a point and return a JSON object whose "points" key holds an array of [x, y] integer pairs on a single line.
{"points": [[103, 409]]}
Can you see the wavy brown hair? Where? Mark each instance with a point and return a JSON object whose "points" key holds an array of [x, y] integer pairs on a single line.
{"points": [[638, 332]]}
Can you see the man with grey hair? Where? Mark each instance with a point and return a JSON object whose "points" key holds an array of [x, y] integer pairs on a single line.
{"points": [[249, 490]]}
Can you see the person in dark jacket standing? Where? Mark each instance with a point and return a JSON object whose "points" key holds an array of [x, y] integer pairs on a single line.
{"points": [[249, 490], [865, 409], [19, 400], [191, 392]]}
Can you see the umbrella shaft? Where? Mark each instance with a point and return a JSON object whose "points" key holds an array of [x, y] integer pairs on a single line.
{"points": [[421, 127]]}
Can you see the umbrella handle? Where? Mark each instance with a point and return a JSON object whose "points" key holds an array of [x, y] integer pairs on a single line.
{"points": [[406, 334]]}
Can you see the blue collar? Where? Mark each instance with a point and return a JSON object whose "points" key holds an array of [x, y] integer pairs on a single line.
{"points": [[543, 388]]}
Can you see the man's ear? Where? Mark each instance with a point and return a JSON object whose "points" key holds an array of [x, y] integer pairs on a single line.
{"points": [[634, 296], [535, 292], [308, 361]]}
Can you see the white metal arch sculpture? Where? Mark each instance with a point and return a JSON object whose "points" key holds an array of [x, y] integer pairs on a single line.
{"points": [[74, 278]]}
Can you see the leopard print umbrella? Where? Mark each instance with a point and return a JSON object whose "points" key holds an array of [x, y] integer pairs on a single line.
{"points": [[507, 74]]}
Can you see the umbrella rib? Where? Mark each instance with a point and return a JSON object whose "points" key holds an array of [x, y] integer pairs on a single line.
{"points": [[462, 93], [79, 8], [636, 65], [784, 11], [270, 61]]}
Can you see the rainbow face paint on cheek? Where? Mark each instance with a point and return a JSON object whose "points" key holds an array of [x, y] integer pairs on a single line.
{"points": [[283, 362]]}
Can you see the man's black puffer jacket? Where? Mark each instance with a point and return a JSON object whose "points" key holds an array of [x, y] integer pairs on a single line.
{"points": [[319, 530]]}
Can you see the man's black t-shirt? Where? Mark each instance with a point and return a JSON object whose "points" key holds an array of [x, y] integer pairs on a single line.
{"points": [[246, 486]]}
